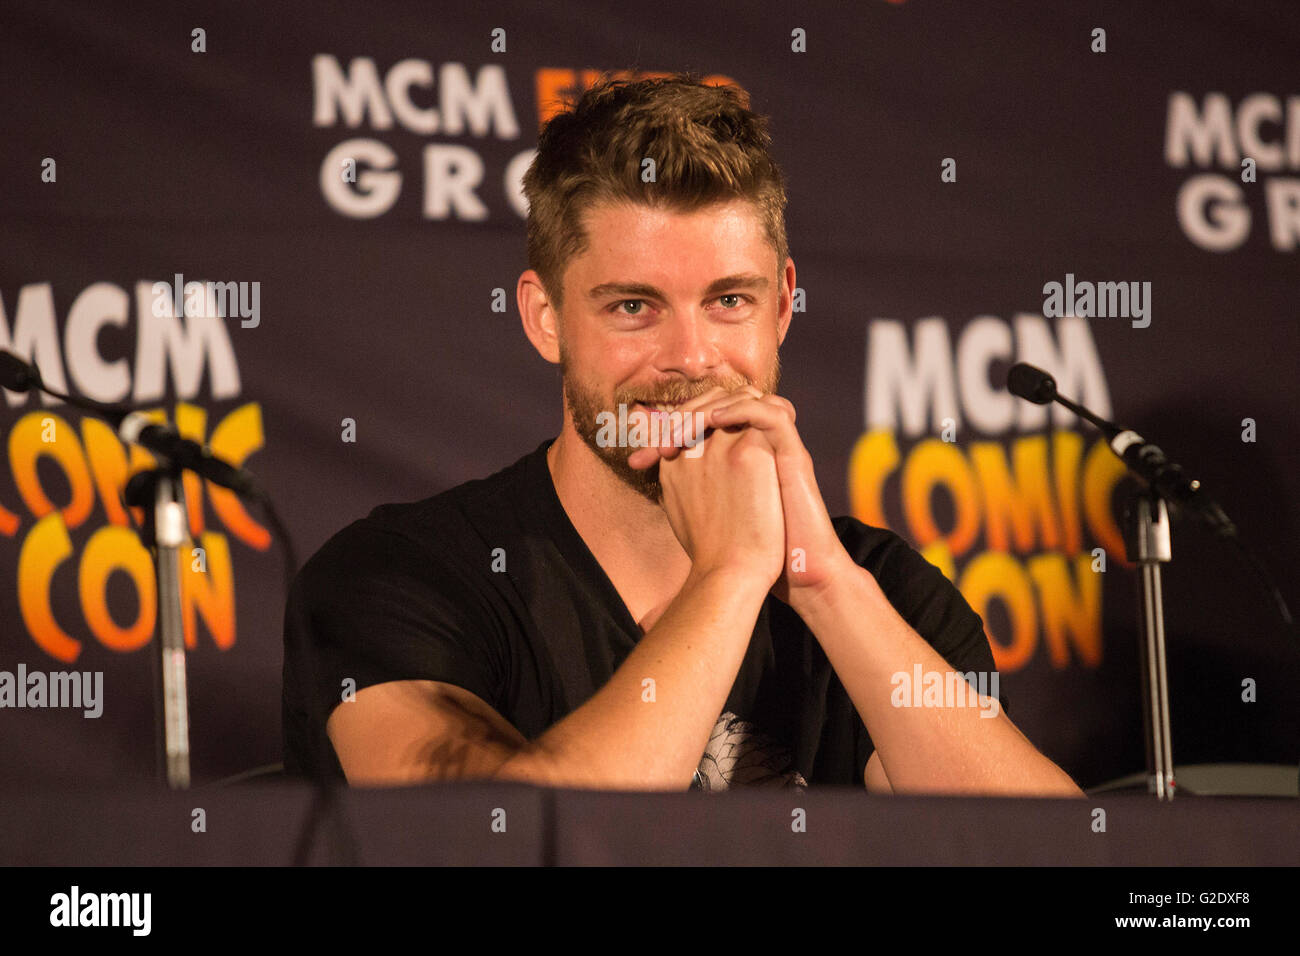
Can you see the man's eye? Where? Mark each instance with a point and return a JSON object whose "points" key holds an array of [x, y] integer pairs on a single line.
{"points": [[637, 302], [730, 295]]}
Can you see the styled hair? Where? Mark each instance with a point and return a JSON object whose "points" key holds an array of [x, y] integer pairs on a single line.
{"points": [[706, 144]]}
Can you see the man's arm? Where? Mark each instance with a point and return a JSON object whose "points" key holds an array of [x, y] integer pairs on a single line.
{"points": [[954, 749], [724, 506], [948, 749], [413, 731], [874, 776]]}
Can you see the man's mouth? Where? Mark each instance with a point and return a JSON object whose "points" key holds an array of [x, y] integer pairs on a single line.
{"points": [[653, 406]]}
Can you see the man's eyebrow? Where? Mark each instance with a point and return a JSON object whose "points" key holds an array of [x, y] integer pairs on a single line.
{"points": [[747, 280]]}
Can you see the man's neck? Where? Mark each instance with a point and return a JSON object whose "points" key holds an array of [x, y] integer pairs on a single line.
{"points": [[628, 534]]}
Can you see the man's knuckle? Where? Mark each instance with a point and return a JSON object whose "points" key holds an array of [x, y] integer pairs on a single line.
{"points": [[778, 402]]}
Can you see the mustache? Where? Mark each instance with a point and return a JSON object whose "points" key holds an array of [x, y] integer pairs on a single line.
{"points": [[677, 393]]}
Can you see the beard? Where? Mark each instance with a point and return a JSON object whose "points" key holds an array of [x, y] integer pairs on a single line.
{"points": [[585, 405]]}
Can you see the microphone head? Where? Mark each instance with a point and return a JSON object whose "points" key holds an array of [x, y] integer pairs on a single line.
{"points": [[1032, 384], [16, 374], [132, 426]]}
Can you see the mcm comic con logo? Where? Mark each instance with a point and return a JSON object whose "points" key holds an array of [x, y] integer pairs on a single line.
{"points": [[62, 517], [1250, 142]]}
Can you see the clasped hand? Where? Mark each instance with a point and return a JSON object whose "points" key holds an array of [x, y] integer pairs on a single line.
{"points": [[812, 555]]}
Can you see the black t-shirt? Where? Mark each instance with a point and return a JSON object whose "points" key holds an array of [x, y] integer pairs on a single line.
{"points": [[488, 586]]}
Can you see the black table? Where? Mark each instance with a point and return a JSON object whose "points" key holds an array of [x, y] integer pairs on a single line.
{"points": [[265, 824]]}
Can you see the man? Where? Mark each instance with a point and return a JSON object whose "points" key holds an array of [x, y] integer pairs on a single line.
{"points": [[655, 617]]}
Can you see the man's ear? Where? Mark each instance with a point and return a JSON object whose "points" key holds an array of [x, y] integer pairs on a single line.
{"points": [[541, 323], [786, 309]]}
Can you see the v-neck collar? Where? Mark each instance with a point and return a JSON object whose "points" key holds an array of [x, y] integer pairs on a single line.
{"points": [[570, 543]]}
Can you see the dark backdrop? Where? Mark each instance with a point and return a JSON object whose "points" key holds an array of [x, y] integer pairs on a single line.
{"points": [[1068, 160]]}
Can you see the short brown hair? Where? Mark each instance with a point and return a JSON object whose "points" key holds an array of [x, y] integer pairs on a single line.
{"points": [[707, 146]]}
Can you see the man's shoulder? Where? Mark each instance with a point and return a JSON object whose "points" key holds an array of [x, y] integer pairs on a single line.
{"points": [[441, 524], [879, 550], [905, 575], [474, 500]]}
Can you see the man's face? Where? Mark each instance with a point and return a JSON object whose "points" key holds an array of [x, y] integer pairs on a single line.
{"points": [[662, 307]]}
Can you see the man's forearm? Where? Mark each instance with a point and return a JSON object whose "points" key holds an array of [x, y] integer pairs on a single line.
{"points": [[955, 749], [645, 736]]}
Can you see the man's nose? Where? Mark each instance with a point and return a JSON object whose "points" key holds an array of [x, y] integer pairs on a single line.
{"points": [[689, 347]]}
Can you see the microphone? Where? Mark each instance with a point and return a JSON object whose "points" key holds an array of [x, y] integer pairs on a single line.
{"points": [[1142, 457], [135, 428], [17, 375], [1031, 384]]}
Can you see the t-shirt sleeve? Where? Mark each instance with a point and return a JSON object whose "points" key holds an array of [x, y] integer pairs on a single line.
{"points": [[379, 606], [932, 605]]}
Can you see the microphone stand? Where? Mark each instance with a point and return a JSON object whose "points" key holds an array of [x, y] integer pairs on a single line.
{"points": [[166, 524], [1147, 525], [160, 493], [1147, 536]]}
